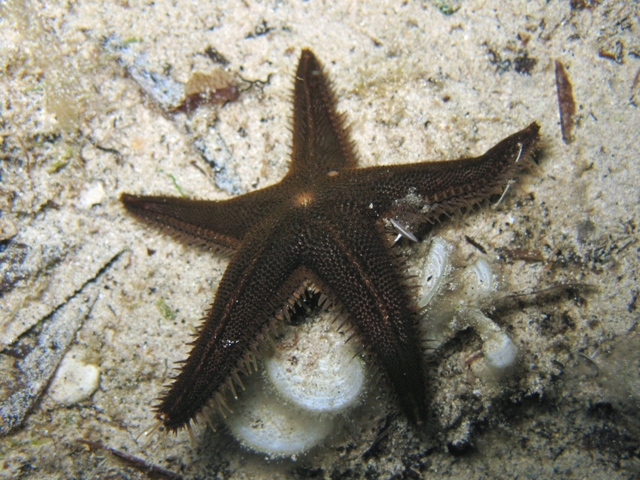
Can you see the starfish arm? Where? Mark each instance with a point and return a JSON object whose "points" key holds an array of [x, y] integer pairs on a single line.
{"points": [[321, 143], [261, 278], [224, 223], [351, 260], [441, 187]]}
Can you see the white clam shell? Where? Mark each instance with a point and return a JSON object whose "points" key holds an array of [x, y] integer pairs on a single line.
{"points": [[436, 269], [314, 369], [263, 422]]}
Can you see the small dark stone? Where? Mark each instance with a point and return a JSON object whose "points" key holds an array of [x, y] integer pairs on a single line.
{"points": [[459, 447], [523, 64]]}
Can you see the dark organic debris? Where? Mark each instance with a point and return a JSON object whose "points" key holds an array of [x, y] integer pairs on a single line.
{"points": [[566, 103], [153, 471], [523, 64], [215, 56], [574, 292], [496, 59], [527, 255], [212, 88], [261, 29], [255, 83], [551, 324], [582, 4], [475, 244], [615, 52]]}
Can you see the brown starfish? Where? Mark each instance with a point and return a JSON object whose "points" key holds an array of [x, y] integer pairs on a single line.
{"points": [[322, 226]]}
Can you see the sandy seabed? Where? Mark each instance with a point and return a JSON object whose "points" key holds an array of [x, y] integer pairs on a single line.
{"points": [[418, 81]]}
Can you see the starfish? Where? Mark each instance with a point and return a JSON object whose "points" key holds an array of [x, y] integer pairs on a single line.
{"points": [[324, 226]]}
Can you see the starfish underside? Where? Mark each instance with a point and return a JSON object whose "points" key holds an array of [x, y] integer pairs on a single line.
{"points": [[323, 224]]}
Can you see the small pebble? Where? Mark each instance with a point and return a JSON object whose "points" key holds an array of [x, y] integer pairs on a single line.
{"points": [[74, 381], [7, 229], [91, 195]]}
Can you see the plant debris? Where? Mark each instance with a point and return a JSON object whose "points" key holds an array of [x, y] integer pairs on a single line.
{"points": [[212, 88], [153, 471], [523, 64], [215, 56], [566, 103]]}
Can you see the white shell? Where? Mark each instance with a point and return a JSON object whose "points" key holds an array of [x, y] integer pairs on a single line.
{"points": [[263, 422], [485, 276], [436, 269], [314, 368], [74, 381], [500, 352]]}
